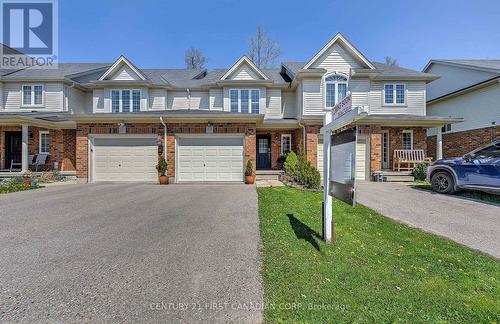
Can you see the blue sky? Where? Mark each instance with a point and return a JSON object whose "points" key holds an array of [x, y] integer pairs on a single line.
{"points": [[155, 34]]}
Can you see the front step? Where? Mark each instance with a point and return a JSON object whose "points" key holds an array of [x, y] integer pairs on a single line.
{"points": [[268, 175], [397, 176]]}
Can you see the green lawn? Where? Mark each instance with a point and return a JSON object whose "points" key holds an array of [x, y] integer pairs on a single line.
{"points": [[484, 196], [376, 271]]}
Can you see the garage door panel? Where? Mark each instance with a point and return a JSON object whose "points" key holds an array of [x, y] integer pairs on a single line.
{"points": [[210, 159], [125, 159]]}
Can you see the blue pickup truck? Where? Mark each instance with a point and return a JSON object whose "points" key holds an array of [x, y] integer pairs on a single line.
{"points": [[477, 170]]}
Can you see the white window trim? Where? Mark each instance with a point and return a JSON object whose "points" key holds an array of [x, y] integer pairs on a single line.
{"points": [[404, 104], [40, 133], [249, 99], [290, 141], [32, 103], [120, 100], [336, 83], [410, 131]]}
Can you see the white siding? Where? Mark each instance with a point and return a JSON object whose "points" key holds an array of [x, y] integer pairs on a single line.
{"points": [[312, 96], [479, 108], [273, 104], [359, 89], [216, 99], [244, 72], [199, 100], [336, 58], [362, 162], [125, 73], [453, 78], [1, 97], [54, 98], [98, 100], [76, 100], [177, 100], [289, 103], [415, 99], [157, 99]]}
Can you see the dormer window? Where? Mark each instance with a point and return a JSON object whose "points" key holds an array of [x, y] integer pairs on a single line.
{"points": [[336, 89], [32, 95], [125, 100]]}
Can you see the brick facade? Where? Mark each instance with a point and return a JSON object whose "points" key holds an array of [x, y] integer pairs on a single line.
{"points": [[460, 143], [62, 147], [312, 133], [83, 131], [275, 136]]}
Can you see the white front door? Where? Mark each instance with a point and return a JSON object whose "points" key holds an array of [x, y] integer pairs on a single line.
{"points": [[209, 158], [125, 159]]}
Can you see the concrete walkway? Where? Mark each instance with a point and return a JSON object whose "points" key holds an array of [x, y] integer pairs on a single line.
{"points": [[474, 224]]}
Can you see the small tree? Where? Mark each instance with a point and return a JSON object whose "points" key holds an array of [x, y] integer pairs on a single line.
{"points": [[264, 51], [391, 61], [249, 169], [162, 166], [194, 58]]}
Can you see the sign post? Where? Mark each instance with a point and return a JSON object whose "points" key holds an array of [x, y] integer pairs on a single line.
{"points": [[338, 160]]}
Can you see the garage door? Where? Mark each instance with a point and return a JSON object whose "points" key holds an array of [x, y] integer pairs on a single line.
{"points": [[210, 159], [125, 159]]}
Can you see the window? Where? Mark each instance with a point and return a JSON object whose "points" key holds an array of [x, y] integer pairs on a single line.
{"points": [[407, 140], [245, 100], [234, 100], [394, 94], [286, 143], [446, 128], [122, 100], [32, 95], [489, 152], [336, 89], [44, 140]]}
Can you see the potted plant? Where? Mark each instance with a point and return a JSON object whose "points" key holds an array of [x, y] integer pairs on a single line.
{"points": [[162, 169], [249, 176]]}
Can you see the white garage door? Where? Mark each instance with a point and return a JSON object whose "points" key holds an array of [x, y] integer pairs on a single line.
{"points": [[125, 159], [209, 159]]}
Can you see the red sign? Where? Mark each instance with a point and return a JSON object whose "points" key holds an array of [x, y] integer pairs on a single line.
{"points": [[342, 107]]}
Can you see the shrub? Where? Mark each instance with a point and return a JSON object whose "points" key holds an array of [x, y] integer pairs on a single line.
{"points": [[249, 168], [291, 164], [420, 171], [281, 161], [162, 166]]}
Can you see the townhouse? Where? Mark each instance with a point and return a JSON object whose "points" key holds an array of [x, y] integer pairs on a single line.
{"points": [[111, 121]]}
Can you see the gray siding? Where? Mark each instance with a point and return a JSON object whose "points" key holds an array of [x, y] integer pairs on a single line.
{"points": [[289, 103], [216, 99], [199, 100], [312, 96], [157, 99], [177, 100], [336, 58], [273, 103], [76, 101], [244, 72], [53, 97], [125, 73], [98, 100], [415, 99], [359, 89]]}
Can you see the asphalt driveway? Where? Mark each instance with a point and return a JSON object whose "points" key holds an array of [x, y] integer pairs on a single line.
{"points": [[130, 252], [471, 223]]}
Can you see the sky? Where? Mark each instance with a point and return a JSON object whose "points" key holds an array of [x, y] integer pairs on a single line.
{"points": [[156, 34]]}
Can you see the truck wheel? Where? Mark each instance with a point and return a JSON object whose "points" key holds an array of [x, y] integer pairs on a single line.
{"points": [[442, 182]]}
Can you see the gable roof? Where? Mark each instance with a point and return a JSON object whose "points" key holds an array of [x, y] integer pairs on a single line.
{"points": [[341, 39], [122, 60], [479, 64], [244, 60]]}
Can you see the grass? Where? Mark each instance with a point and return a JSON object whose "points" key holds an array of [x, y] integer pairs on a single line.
{"points": [[376, 271], [14, 186], [478, 195]]}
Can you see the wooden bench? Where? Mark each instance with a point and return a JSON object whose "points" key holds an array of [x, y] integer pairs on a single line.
{"points": [[406, 160]]}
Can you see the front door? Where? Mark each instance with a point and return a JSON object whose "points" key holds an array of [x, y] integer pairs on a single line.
{"points": [[13, 144], [385, 149], [263, 152]]}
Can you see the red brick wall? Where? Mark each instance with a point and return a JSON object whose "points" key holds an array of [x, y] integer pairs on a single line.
{"points": [[459, 143], [83, 130], [276, 143], [312, 133], [62, 146], [396, 140]]}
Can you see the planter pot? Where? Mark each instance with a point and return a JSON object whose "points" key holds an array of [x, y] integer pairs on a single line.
{"points": [[164, 180], [250, 179]]}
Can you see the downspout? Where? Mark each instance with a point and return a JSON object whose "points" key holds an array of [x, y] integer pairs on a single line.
{"points": [[164, 138]]}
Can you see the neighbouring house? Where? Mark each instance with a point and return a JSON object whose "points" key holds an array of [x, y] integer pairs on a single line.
{"points": [[469, 89], [110, 121]]}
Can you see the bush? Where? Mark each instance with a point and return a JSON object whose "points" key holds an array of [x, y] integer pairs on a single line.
{"points": [[162, 166], [281, 161], [301, 170], [249, 169], [420, 171]]}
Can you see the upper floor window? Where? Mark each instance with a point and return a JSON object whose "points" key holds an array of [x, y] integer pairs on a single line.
{"points": [[44, 140], [446, 128], [245, 100], [32, 95], [394, 94], [336, 89], [125, 100]]}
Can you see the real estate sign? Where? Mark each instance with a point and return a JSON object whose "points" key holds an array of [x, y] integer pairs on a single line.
{"points": [[343, 165]]}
